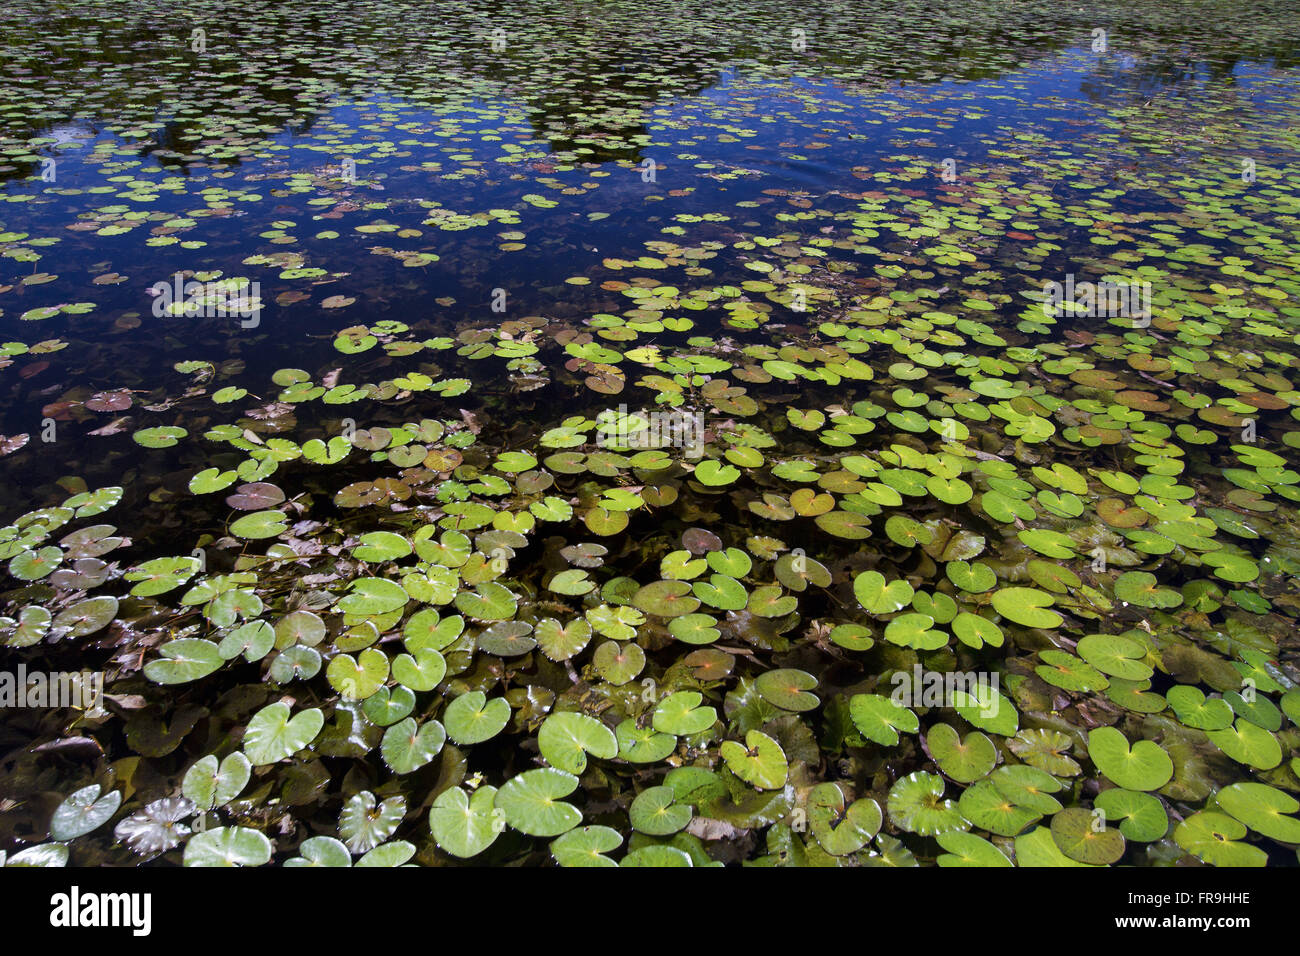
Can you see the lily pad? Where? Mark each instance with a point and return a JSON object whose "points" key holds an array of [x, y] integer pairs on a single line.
{"points": [[566, 738], [1143, 767], [465, 824]]}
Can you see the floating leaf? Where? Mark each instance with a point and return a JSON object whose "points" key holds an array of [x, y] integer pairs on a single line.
{"points": [[1143, 767], [760, 761], [272, 736], [228, 846], [466, 824], [83, 812], [566, 738], [532, 802]]}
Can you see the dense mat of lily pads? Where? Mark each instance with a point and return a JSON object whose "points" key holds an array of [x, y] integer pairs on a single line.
{"points": [[371, 582]]}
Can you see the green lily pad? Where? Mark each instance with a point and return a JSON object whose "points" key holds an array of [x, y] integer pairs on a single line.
{"points": [[162, 436], [1143, 767], [260, 524], [365, 822], [1193, 709], [962, 759], [1142, 588], [83, 812], [395, 853], [357, 678], [694, 629], [760, 761], [716, 473], [1142, 815], [1084, 837], [841, 827], [321, 851], [421, 671], [975, 578], [253, 639], [471, 718], [788, 689], [967, 849], [657, 856], [880, 719], [877, 597], [1216, 838], [1028, 607], [988, 809], [489, 601], [642, 744], [85, 617], [1037, 848], [532, 802], [408, 746], [915, 631], [1064, 670], [377, 546], [34, 565], [987, 709], [271, 736], [228, 846], [1115, 655], [566, 738], [1028, 787], [618, 663], [586, 846], [1262, 808], [465, 824], [386, 707], [916, 804], [683, 715], [666, 599], [655, 812], [184, 660], [211, 784], [1249, 744], [562, 642]]}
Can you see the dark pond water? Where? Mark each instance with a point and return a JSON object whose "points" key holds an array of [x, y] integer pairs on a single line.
{"points": [[820, 237]]}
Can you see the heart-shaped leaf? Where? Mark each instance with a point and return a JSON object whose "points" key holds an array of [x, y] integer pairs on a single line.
{"points": [[1216, 838], [1263, 808], [228, 846], [1083, 836], [407, 747], [532, 802], [681, 714], [365, 823], [272, 736], [357, 678], [421, 671], [586, 846], [321, 851], [184, 660], [566, 738], [466, 824], [962, 759], [877, 597], [83, 812], [1028, 607], [879, 719], [655, 812], [841, 827], [209, 784], [916, 804], [1145, 766], [760, 761], [471, 718], [967, 849]]}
